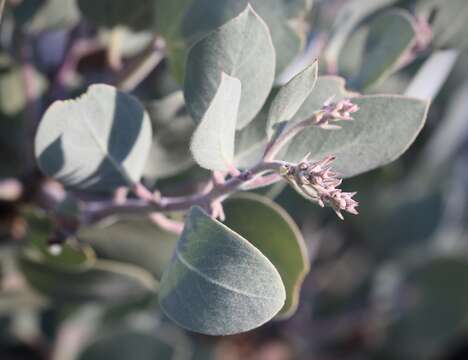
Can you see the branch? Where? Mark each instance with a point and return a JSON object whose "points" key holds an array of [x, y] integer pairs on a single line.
{"points": [[143, 66], [96, 211]]}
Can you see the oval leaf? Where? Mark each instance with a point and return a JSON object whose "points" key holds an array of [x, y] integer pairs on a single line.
{"points": [[96, 143], [241, 48], [271, 230], [213, 141], [218, 283], [382, 130], [291, 97]]}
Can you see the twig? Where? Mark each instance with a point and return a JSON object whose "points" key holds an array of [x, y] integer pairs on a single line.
{"points": [[114, 49], [144, 65], [159, 219], [95, 211]]}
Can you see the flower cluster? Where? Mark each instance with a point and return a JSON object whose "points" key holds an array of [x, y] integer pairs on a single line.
{"points": [[317, 182], [333, 112]]}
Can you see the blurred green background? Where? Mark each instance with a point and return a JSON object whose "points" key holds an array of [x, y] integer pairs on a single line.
{"points": [[391, 283]]}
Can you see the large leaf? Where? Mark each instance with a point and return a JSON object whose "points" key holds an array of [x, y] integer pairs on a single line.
{"points": [[96, 143], [349, 17], [134, 240], [217, 282], [382, 130], [213, 141], [103, 281], [291, 97], [285, 19], [391, 36], [241, 48], [271, 230]]}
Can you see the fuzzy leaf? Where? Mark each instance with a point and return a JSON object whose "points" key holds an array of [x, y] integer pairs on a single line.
{"points": [[391, 35], [213, 141], [382, 130], [285, 19], [271, 230], [241, 48], [291, 97], [97, 142], [217, 282]]}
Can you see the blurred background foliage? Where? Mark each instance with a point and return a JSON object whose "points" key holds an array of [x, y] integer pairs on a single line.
{"points": [[391, 283]]}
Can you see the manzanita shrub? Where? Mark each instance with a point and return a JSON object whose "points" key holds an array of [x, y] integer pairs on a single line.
{"points": [[225, 275], [155, 175]]}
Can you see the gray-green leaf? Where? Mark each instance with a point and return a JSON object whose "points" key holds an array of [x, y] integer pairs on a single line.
{"points": [[218, 283], [271, 230], [241, 48], [291, 97], [97, 142], [382, 130], [213, 141]]}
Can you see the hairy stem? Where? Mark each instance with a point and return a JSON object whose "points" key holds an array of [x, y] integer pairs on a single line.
{"points": [[95, 211]]}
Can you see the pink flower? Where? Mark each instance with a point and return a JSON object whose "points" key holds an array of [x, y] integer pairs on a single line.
{"points": [[317, 182], [334, 112]]}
